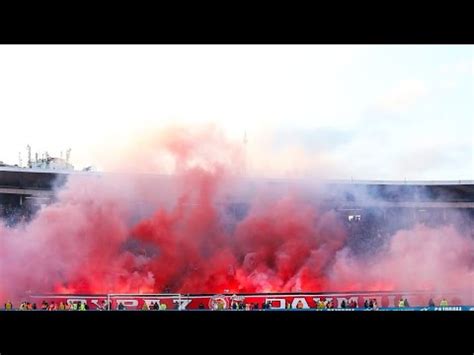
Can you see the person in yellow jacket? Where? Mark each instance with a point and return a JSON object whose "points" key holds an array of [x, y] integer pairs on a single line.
{"points": [[163, 307], [401, 303], [443, 303], [145, 307]]}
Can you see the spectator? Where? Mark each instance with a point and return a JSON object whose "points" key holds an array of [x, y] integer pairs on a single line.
{"points": [[343, 304], [104, 306], [299, 305], [156, 306], [371, 304], [406, 304], [9, 306], [374, 304], [61, 307], [163, 307], [401, 303], [201, 305], [444, 302], [288, 305], [431, 303], [34, 306], [366, 304], [145, 307]]}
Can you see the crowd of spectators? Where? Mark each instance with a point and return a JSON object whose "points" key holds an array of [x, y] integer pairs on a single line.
{"points": [[12, 216], [239, 305]]}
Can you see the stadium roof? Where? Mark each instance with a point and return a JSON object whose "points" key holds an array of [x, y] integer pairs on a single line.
{"points": [[22, 171], [41, 182]]}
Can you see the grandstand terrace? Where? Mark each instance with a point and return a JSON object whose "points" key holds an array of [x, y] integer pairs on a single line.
{"points": [[24, 190]]}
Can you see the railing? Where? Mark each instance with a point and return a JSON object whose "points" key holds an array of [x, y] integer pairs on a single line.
{"points": [[398, 309]]}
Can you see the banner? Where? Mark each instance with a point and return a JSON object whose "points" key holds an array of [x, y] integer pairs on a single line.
{"points": [[273, 301]]}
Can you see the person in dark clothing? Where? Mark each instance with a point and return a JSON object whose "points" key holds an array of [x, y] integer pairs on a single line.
{"points": [[431, 303], [156, 306], [366, 304], [405, 302], [343, 304], [371, 304]]}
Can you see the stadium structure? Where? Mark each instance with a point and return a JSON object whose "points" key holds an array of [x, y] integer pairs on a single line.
{"points": [[365, 207], [23, 190]]}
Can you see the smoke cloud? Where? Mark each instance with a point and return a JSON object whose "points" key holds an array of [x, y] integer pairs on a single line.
{"points": [[206, 228]]}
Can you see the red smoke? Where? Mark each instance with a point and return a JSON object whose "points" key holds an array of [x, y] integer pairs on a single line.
{"points": [[186, 242]]}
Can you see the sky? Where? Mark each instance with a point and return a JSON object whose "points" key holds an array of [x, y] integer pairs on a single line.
{"points": [[385, 112]]}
